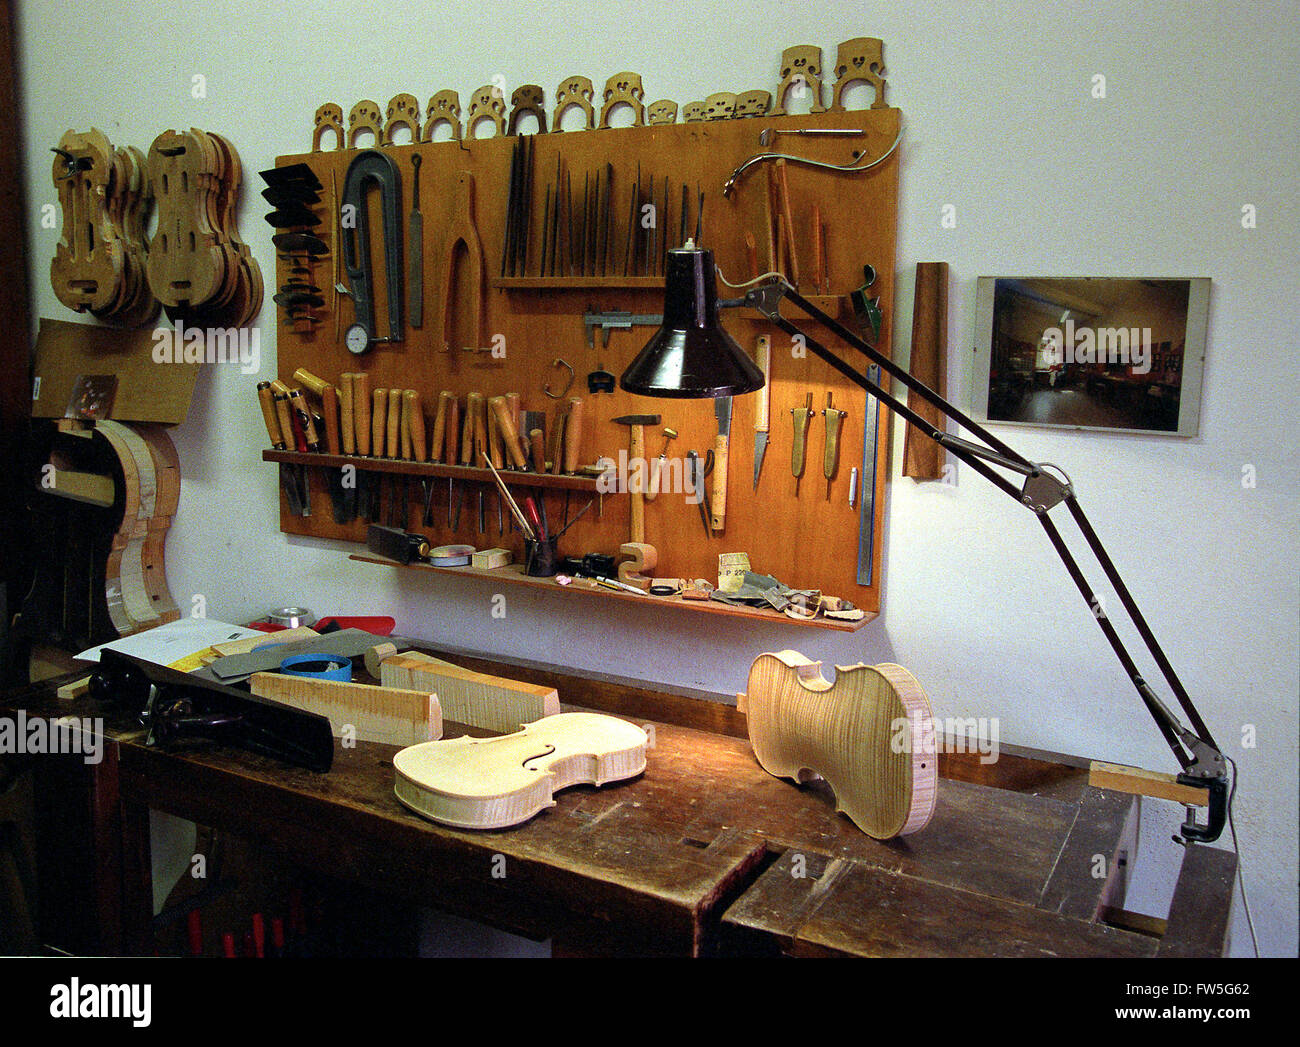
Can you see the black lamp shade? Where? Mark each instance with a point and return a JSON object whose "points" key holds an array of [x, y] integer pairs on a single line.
{"points": [[690, 356]]}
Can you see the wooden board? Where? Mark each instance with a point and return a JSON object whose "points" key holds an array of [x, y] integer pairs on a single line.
{"points": [[491, 702], [540, 319], [146, 391], [923, 459], [370, 714], [869, 734], [492, 783]]}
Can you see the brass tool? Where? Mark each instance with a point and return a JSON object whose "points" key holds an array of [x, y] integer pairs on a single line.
{"points": [[656, 466], [831, 455], [801, 417]]}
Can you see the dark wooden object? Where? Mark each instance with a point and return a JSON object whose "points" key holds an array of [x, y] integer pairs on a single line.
{"points": [[922, 457]]}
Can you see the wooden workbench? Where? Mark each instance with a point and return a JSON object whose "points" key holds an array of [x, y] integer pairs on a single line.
{"points": [[704, 854]]}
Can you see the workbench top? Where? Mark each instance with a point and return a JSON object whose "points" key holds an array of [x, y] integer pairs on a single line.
{"points": [[704, 853]]}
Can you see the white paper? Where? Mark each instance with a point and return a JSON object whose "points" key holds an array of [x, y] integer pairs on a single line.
{"points": [[173, 641]]}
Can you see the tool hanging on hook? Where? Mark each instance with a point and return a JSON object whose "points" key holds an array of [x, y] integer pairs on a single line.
{"points": [[380, 168]]}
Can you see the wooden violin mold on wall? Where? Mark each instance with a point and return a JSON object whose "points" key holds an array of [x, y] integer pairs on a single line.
{"points": [[99, 264]]}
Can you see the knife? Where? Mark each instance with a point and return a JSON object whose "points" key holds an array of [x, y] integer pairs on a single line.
{"points": [[722, 409], [764, 353], [415, 260]]}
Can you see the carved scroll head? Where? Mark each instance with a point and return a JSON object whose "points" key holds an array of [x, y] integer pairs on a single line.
{"points": [[662, 112], [444, 107], [720, 106], [576, 90], [624, 89], [365, 116], [329, 118], [753, 103]]}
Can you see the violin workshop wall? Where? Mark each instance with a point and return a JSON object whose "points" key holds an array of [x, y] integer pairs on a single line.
{"points": [[1078, 139]]}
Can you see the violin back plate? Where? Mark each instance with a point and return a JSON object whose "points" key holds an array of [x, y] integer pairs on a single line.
{"points": [[493, 783], [870, 735]]}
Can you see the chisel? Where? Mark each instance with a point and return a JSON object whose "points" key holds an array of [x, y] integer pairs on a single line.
{"points": [[721, 444], [763, 351]]}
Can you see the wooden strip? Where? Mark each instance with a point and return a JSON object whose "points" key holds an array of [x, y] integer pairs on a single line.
{"points": [[374, 714], [923, 459], [491, 702], [250, 643], [1135, 780]]}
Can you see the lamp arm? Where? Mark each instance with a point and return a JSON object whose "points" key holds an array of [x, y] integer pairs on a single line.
{"points": [[1200, 758]]}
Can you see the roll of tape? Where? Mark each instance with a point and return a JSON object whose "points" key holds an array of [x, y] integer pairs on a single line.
{"points": [[318, 667]]}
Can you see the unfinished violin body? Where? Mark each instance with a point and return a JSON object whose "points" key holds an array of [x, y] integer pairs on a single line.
{"points": [[492, 783], [870, 735]]}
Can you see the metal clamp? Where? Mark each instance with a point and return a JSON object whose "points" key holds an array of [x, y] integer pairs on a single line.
{"points": [[557, 362]]}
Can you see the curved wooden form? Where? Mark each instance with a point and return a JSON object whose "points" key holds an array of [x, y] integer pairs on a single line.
{"points": [[860, 60], [493, 783], [576, 90], [487, 103], [403, 111], [528, 98], [363, 117], [801, 70], [444, 107], [870, 735], [623, 89]]}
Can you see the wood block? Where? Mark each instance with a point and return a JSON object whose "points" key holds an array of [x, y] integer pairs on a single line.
{"points": [[1138, 782], [75, 689], [490, 702], [251, 643], [389, 715], [923, 459], [491, 559]]}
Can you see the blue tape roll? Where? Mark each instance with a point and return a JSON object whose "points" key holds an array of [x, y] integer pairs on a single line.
{"points": [[318, 667]]}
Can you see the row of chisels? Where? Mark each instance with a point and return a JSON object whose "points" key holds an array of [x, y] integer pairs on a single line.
{"points": [[354, 420]]}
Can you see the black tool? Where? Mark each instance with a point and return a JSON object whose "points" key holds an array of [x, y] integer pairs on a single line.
{"points": [[381, 169], [176, 706]]}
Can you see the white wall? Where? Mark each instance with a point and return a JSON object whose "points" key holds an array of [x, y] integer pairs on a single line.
{"points": [[1198, 121]]}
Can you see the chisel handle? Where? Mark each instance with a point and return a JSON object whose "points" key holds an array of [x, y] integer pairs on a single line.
{"points": [[361, 409], [378, 421], [394, 443], [469, 434], [329, 402], [440, 426], [764, 353], [347, 421], [509, 434], [404, 436], [453, 427], [267, 399], [718, 505], [573, 435], [419, 442]]}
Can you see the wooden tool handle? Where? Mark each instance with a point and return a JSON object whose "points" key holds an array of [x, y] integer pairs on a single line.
{"points": [[494, 437], [299, 404], [267, 399], [816, 247], [378, 421], [636, 453], [656, 468], [718, 504], [538, 445], [361, 411], [283, 416], [764, 353], [473, 408], [419, 441], [393, 443], [453, 427], [509, 434], [347, 421], [440, 426], [314, 383], [573, 435], [521, 438], [555, 441], [404, 436], [784, 190], [329, 402]]}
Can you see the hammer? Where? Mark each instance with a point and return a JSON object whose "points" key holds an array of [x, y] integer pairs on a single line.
{"points": [[636, 452]]}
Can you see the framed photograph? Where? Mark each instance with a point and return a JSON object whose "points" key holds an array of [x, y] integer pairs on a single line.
{"points": [[1119, 354]]}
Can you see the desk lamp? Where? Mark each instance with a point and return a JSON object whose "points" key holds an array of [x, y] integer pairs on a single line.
{"points": [[691, 356]]}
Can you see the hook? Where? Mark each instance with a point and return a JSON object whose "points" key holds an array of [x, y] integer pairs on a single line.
{"points": [[567, 385]]}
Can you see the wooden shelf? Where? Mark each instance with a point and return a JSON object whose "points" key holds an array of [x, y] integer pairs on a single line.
{"points": [[512, 477], [584, 587], [577, 283]]}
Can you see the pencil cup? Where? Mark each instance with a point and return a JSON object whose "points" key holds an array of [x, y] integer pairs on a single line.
{"points": [[540, 557]]}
